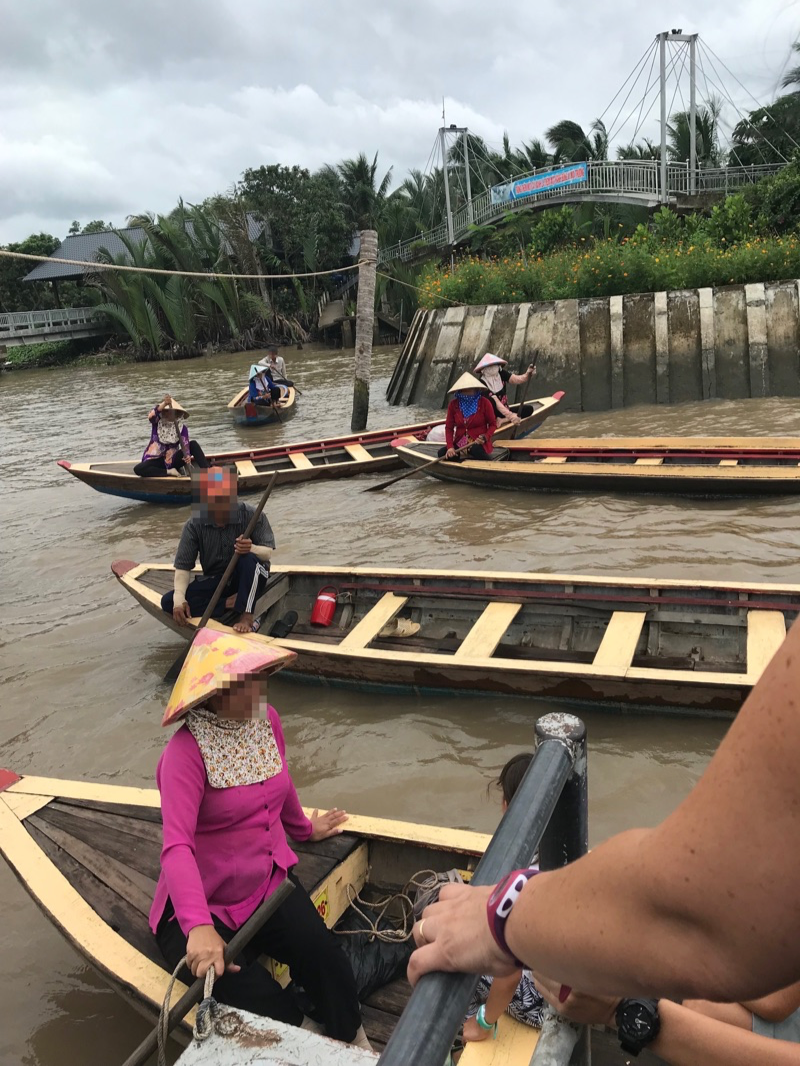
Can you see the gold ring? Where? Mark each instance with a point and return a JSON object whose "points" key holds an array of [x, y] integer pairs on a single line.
{"points": [[421, 934]]}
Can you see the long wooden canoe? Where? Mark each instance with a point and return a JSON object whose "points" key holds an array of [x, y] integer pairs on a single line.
{"points": [[251, 414], [642, 644], [698, 466], [89, 855], [356, 453]]}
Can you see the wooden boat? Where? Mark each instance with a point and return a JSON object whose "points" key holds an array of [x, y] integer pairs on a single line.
{"points": [[640, 644], [251, 414], [356, 453], [698, 466], [89, 855]]}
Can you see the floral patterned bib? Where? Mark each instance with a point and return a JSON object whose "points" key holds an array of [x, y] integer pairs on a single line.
{"points": [[234, 752]]}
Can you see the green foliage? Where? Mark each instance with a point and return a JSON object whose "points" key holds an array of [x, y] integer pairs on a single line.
{"points": [[50, 353], [775, 201], [554, 229]]}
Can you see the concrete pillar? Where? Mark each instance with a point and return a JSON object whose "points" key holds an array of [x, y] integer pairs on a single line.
{"points": [[661, 327], [617, 352], [757, 338], [708, 351]]}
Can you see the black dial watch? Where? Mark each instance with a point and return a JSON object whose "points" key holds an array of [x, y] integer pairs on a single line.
{"points": [[638, 1023]]}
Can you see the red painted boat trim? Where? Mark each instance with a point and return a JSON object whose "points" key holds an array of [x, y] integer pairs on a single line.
{"points": [[7, 778], [65, 463], [120, 567]]}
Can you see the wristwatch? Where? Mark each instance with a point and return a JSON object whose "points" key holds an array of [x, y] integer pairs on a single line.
{"points": [[499, 904], [638, 1024]]}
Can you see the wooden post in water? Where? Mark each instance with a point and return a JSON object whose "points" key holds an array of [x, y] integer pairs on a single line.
{"points": [[365, 324]]}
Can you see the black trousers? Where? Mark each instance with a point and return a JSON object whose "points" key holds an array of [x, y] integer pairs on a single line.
{"points": [[247, 584], [477, 451], [297, 936], [274, 395], [523, 411], [158, 468]]}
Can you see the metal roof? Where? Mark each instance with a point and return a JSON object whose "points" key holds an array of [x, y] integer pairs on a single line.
{"points": [[85, 246]]}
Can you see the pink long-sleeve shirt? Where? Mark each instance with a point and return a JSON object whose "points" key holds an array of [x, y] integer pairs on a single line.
{"points": [[225, 849]]}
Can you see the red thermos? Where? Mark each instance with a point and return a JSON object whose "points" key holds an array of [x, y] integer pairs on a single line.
{"points": [[324, 607]]}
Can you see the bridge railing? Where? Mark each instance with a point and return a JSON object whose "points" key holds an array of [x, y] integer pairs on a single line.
{"points": [[631, 180], [21, 322]]}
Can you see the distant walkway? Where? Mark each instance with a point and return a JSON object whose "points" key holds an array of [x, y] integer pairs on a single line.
{"points": [[636, 182], [34, 327]]}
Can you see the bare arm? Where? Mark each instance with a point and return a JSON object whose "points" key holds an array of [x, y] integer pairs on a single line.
{"points": [[778, 1006], [677, 910], [500, 995], [180, 584]]}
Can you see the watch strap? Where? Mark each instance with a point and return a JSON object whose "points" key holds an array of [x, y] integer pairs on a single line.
{"points": [[501, 902], [634, 1042]]}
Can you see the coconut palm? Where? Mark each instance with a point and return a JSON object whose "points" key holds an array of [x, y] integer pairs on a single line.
{"points": [[363, 196], [791, 79], [643, 150], [571, 144], [707, 129]]}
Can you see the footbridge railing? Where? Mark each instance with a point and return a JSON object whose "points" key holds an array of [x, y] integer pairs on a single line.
{"points": [[615, 181], [22, 324], [549, 811]]}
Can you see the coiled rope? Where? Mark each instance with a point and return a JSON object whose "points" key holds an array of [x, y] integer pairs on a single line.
{"points": [[398, 933], [205, 1016]]}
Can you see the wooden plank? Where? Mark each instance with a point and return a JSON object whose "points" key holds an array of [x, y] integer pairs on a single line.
{"points": [[358, 452], [93, 937], [300, 461], [514, 1046], [391, 998], [650, 461], [137, 827], [556, 459], [488, 630], [126, 882], [774, 444], [373, 621], [766, 631], [124, 847], [24, 806], [729, 462], [618, 645], [246, 468], [88, 790]]}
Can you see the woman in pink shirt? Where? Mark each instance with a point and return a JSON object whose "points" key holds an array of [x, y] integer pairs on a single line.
{"points": [[227, 802]]}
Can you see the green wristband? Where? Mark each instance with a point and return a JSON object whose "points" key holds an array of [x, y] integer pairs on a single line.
{"points": [[480, 1018]]}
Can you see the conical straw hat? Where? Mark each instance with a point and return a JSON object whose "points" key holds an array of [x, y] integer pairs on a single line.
{"points": [[216, 659], [490, 360], [467, 381], [178, 408]]}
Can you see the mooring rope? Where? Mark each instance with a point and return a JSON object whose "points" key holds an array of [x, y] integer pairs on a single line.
{"points": [[424, 880], [205, 1014], [408, 285], [93, 265]]}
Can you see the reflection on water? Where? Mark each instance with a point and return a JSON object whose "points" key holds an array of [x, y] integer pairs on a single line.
{"points": [[81, 664]]}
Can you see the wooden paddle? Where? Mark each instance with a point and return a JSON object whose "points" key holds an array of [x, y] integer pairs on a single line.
{"points": [[425, 466], [525, 391], [194, 993], [172, 674]]}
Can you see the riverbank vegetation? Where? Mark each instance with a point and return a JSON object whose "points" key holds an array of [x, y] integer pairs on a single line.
{"points": [[286, 220]]}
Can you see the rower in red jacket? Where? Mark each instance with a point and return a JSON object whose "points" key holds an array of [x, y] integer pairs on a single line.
{"points": [[470, 417]]}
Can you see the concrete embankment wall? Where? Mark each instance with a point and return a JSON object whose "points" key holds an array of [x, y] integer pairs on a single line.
{"points": [[607, 352]]}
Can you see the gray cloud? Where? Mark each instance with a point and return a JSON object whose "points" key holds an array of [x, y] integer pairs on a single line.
{"points": [[108, 109]]}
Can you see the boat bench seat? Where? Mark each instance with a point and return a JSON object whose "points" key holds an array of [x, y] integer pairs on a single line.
{"points": [[484, 636], [766, 631], [618, 646], [245, 468], [373, 621], [300, 461], [357, 452]]}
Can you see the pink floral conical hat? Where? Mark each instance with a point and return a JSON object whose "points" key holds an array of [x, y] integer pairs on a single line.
{"points": [[490, 360], [215, 659]]}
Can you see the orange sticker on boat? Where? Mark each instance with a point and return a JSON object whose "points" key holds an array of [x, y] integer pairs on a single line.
{"points": [[322, 903]]}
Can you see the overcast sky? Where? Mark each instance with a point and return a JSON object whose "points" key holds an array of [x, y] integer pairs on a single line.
{"points": [[110, 107]]}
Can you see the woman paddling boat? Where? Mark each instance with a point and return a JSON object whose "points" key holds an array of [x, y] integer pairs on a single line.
{"points": [[170, 451], [227, 802], [496, 378], [471, 420]]}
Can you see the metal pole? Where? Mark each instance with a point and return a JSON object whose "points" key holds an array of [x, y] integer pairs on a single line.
{"points": [[446, 186], [662, 76], [470, 214], [692, 114], [565, 840], [435, 1011]]}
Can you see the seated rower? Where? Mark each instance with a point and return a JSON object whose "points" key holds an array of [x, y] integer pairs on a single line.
{"points": [[227, 804], [214, 532], [494, 375], [471, 421], [263, 390], [276, 365], [170, 451]]}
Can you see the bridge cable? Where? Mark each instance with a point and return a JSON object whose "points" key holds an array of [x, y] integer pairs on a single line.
{"points": [[641, 63], [651, 88], [642, 60], [640, 120], [709, 98]]}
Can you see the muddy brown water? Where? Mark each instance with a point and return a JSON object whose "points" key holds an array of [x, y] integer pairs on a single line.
{"points": [[81, 664]]}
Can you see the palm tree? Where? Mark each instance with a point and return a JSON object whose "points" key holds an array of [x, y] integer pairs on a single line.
{"points": [[707, 127], [363, 196], [643, 150], [572, 145], [791, 78]]}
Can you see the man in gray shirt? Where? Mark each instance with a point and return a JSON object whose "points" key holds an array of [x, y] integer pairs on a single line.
{"points": [[215, 533]]}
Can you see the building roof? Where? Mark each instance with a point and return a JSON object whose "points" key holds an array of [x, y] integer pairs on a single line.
{"points": [[85, 247]]}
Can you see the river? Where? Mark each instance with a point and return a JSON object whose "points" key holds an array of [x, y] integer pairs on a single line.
{"points": [[82, 664]]}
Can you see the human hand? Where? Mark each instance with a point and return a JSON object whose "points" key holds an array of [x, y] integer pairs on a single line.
{"points": [[456, 936], [473, 1032], [450, 453], [515, 419], [327, 824], [181, 613], [531, 371], [242, 545], [204, 948], [577, 1006]]}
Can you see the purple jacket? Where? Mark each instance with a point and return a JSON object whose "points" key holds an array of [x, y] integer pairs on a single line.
{"points": [[171, 453]]}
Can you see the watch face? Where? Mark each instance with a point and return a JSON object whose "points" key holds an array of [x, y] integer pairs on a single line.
{"points": [[638, 1021]]}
